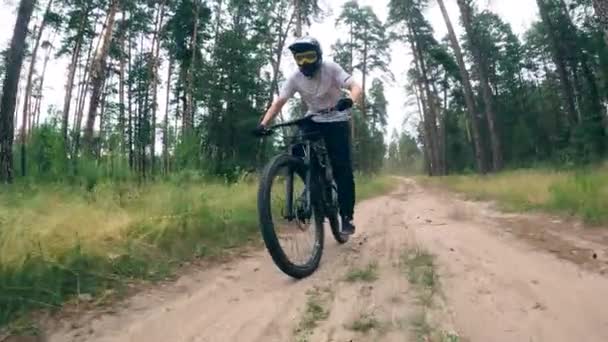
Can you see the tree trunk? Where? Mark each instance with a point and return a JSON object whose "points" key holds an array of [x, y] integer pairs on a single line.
{"points": [[578, 92], [155, 63], [9, 88], [30, 118], [482, 70], [37, 111], [98, 75], [184, 99], [559, 60], [189, 110], [276, 66], [298, 11], [139, 103], [218, 20], [497, 160], [17, 104], [425, 132], [177, 116], [130, 107], [102, 111], [601, 11], [121, 89], [166, 121], [143, 123], [574, 54], [578, 56], [426, 98], [70, 82], [352, 50], [81, 96], [594, 92], [353, 132], [276, 58], [26, 104], [364, 71], [429, 140], [468, 92], [441, 132], [28, 86], [47, 57], [80, 100]]}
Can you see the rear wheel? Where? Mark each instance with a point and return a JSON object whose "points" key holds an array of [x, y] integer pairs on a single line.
{"points": [[294, 238]]}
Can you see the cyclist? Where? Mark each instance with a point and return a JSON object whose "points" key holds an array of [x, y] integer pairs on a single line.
{"points": [[320, 85]]}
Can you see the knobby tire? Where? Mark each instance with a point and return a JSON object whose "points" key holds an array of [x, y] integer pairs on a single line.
{"points": [[269, 234]]}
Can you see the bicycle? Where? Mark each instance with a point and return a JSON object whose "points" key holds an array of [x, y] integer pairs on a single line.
{"points": [[306, 159]]}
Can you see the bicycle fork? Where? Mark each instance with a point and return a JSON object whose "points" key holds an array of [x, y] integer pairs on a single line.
{"points": [[289, 188]]}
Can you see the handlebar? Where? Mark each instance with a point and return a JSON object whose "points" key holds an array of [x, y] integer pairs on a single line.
{"points": [[270, 130], [292, 122]]}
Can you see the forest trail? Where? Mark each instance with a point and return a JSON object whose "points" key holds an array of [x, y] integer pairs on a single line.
{"points": [[502, 277]]}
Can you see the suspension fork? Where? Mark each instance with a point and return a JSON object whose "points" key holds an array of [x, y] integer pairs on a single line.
{"points": [[309, 171], [289, 195]]}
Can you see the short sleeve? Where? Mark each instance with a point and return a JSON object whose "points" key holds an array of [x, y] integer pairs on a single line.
{"points": [[288, 89], [344, 79]]}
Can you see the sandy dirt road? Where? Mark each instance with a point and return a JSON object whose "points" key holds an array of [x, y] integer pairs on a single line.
{"points": [[502, 278]]}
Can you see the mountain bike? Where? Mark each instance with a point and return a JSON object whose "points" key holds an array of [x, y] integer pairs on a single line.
{"points": [[306, 196]]}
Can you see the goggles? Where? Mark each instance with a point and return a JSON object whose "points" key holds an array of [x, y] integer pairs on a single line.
{"points": [[307, 57]]}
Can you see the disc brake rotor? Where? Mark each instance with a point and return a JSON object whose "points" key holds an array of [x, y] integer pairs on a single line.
{"points": [[303, 214]]}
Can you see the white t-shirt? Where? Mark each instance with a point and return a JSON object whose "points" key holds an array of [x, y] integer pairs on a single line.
{"points": [[320, 92]]}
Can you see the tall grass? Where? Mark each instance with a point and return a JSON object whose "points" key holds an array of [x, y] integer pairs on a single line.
{"points": [[583, 193], [370, 186], [58, 241]]}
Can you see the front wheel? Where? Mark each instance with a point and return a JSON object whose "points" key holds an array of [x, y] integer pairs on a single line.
{"points": [[291, 222], [334, 218]]}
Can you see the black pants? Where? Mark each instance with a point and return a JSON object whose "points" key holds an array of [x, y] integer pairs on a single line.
{"points": [[337, 140]]}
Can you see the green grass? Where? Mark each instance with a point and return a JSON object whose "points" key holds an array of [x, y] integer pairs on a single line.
{"points": [[582, 193], [367, 274], [420, 268], [58, 241], [364, 324], [367, 186], [421, 327], [314, 313], [424, 332]]}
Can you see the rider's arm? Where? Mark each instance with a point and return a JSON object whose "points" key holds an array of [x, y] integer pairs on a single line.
{"points": [[288, 90], [355, 92], [347, 81], [274, 109]]}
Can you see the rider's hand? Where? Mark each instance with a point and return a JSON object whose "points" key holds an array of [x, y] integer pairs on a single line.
{"points": [[261, 131], [344, 104]]}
